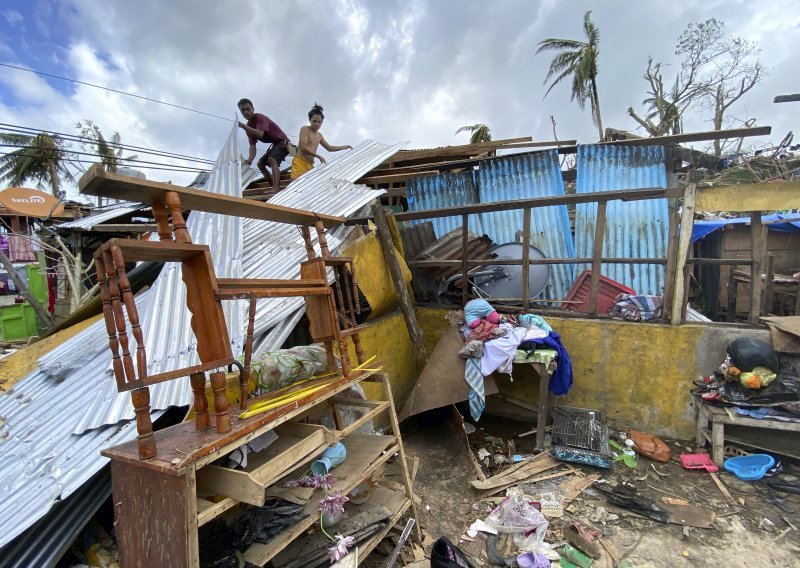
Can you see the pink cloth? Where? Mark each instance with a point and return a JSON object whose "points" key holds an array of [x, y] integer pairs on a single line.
{"points": [[272, 132]]}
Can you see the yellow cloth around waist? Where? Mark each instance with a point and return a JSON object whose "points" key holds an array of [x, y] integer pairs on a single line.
{"points": [[300, 166]]}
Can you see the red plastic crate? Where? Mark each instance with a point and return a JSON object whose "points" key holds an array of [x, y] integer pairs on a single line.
{"points": [[608, 290]]}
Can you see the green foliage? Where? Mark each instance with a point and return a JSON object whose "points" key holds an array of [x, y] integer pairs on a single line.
{"points": [[41, 158], [480, 133]]}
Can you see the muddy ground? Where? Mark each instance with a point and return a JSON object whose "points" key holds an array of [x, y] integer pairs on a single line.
{"points": [[749, 531]]}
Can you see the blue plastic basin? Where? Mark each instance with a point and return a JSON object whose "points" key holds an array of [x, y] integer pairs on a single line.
{"points": [[749, 468]]}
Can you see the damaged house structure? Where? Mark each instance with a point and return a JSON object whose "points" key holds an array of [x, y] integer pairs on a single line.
{"points": [[514, 326]]}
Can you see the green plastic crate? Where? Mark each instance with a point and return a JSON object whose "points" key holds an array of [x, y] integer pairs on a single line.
{"points": [[18, 321], [37, 283]]}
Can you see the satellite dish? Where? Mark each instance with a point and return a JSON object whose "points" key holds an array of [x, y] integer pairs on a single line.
{"points": [[30, 202], [510, 284]]}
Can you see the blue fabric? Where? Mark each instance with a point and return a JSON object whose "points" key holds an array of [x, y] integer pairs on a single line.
{"points": [[532, 319], [561, 381], [474, 378], [702, 228], [477, 309]]}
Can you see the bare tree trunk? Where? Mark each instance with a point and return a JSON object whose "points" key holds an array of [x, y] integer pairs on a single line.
{"points": [[41, 313], [719, 110], [53, 177], [596, 109]]}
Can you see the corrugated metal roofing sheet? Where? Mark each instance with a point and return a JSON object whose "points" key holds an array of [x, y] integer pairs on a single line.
{"points": [[101, 215], [634, 229], [42, 460], [513, 177]]}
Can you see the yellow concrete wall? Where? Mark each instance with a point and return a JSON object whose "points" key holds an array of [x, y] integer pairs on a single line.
{"points": [[388, 339], [372, 275], [638, 374]]}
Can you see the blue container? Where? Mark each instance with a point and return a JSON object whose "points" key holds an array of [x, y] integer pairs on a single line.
{"points": [[749, 468], [330, 458]]}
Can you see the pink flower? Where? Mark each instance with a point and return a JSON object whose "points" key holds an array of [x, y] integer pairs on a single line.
{"points": [[333, 503], [339, 548], [315, 481]]}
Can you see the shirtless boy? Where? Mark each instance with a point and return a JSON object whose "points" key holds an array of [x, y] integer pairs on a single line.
{"points": [[310, 139], [260, 128]]}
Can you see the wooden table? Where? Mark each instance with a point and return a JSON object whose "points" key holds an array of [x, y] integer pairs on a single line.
{"points": [[718, 418]]}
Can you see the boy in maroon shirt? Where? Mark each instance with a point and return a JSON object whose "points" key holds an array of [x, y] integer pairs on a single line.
{"points": [[260, 128]]}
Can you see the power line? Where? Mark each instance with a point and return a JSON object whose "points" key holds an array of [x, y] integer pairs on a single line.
{"points": [[76, 153], [112, 90], [14, 128], [75, 160]]}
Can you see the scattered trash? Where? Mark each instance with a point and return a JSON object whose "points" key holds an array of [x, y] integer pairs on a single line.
{"points": [[650, 446], [516, 515]]}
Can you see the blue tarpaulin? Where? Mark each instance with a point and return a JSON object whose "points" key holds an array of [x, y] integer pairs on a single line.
{"points": [[703, 228]]}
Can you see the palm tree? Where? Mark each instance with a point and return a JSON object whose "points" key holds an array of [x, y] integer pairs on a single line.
{"points": [[578, 59], [109, 151], [480, 133], [41, 158]]}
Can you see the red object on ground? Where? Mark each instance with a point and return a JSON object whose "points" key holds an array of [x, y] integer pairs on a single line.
{"points": [[608, 290], [698, 461]]}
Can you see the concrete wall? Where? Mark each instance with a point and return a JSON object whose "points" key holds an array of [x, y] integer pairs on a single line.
{"points": [[637, 374]]}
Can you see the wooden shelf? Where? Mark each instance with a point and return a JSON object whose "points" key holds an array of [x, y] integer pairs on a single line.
{"points": [[295, 442], [365, 455], [395, 503]]}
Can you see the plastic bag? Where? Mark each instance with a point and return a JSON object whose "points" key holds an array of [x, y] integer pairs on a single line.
{"points": [[748, 352], [276, 369], [516, 515]]}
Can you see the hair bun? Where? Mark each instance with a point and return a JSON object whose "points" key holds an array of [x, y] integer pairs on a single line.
{"points": [[317, 107]]}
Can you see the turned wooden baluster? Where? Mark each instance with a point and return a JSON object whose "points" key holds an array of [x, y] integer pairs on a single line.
{"points": [[119, 316], [144, 426], [223, 419], [130, 307], [248, 355], [355, 286], [306, 232], [160, 214], [111, 324], [323, 242], [173, 201], [202, 421]]}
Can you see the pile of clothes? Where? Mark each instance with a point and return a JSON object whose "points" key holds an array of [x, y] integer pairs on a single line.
{"points": [[491, 342]]}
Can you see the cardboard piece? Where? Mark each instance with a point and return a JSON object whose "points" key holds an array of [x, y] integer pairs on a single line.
{"points": [[442, 380]]}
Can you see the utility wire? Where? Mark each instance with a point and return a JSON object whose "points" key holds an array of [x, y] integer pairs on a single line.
{"points": [[16, 129], [112, 90], [74, 160], [76, 153]]}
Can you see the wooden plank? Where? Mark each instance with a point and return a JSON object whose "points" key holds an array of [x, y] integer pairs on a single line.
{"points": [[461, 150], [464, 259], [123, 228], [295, 442], [787, 98], [224, 283], [730, 315], [768, 298], [624, 195], [371, 415], [672, 258], [391, 178], [597, 255], [695, 137], [526, 257], [406, 304], [758, 249], [96, 181], [518, 262], [540, 463], [684, 242], [154, 251], [247, 293], [750, 197]]}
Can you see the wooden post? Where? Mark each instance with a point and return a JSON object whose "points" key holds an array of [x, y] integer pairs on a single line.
{"points": [[526, 256], [406, 305], [202, 421], [684, 242], [597, 254], [223, 418], [672, 250], [768, 302], [730, 315], [41, 313], [757, 245], [464, 259]]}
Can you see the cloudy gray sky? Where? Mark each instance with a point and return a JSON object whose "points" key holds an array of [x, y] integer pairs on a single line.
{"points": [[414, 70]]}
